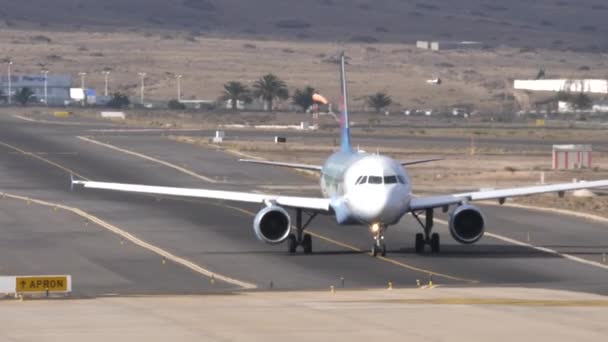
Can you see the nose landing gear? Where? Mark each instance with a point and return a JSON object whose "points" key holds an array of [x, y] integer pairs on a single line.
{"points": [[428, 238], [378, 246]]}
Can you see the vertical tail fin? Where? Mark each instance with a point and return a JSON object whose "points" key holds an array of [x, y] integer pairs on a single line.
{"points": [[345, 145]]}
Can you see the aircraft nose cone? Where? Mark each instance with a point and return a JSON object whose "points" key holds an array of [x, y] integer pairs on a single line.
{"points": [[380, 206], [370, 206]]}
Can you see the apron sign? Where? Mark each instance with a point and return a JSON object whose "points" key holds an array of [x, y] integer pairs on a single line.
{"points": [[42, 284]]}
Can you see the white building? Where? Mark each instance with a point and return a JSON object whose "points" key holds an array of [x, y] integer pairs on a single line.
{"points": [[597, 86], [449, 45]]}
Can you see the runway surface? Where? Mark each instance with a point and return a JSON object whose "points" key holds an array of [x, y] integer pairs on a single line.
{"points": [[36, 159]]}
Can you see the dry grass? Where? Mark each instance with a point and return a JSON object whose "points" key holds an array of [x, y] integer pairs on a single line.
{"points": [[477, 77]]}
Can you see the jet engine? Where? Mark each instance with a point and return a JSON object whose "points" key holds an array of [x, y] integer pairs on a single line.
{"points": [[272, 225], [467, 224]]}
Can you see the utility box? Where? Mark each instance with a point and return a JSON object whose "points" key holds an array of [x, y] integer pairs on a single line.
{"points": [[570, 157], [218, 138], [422, 44]]}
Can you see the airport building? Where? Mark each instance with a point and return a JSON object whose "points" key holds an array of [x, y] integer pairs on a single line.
{"points": [[448, 45], [57, 86], [597, 86]]}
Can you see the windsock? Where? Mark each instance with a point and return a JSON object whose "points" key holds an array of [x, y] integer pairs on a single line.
{"points": [[319, 98]]}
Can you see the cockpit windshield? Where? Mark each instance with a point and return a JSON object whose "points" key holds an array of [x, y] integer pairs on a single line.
{"points": [[393, 179], [390, 179], [374, 180]]}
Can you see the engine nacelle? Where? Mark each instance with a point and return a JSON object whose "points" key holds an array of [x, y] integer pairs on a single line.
{"points": [[467, 224], [272, 225]]}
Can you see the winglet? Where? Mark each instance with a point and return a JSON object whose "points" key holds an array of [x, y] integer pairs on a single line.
{"points": [[74, 181]]}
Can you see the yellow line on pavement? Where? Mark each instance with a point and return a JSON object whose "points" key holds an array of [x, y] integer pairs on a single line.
{"points": [[493, 301], [34, 155], [137, 241], [152, 159], [538, 248], [355, 249], [195, 175]]}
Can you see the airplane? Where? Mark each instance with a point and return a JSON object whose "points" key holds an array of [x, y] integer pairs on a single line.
{"points": [[358, 189]]}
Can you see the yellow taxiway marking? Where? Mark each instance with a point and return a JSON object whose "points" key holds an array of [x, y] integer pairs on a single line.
{"points": [[395, 262], [355, 249], [493, 301], [116, 230], [137, 241], [152, 159], [338, 243], [36, 156], [538, 248]]}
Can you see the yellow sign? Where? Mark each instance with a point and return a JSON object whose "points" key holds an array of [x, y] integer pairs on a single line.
{"points": [[62, 114], [540, 122], [42, 284]]}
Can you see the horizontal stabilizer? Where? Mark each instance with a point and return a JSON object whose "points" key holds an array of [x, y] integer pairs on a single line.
{"points": [[288, 165]]}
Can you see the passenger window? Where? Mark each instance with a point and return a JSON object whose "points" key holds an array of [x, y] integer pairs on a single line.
{"points": [[375, 180], [390, 179], [401, 179]]}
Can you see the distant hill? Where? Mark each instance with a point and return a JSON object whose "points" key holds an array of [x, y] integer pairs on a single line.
{"points": [[543, 23]]}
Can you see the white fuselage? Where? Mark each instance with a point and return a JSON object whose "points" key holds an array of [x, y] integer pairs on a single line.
{"points": [[373, 189]]}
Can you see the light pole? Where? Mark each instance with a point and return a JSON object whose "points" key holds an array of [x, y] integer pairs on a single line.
{"points": [[84, 92], [106, 74], [179, 87], [143, 87], [10, 85], [45, 72]]}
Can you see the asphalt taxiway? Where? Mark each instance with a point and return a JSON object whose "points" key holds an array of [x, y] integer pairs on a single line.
{"points": [[37, 158]]}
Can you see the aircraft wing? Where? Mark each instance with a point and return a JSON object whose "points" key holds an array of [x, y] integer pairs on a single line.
{"points": [[311, 203], [412, 162], [421, 203], [289, 165]]}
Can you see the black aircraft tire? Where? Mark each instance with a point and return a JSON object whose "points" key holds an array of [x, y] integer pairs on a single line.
{"points": [[291, 244], [307, 243], [435, 243], [419, 243]]}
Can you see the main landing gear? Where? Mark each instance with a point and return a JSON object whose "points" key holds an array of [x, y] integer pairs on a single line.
{"points": [[300, 238], [427, 238], [379, 246]]}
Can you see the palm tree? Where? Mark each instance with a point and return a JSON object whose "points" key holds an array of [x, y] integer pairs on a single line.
{"points": [[119, 100], [379, 101], [24, 95], [303, 97], [269, 88], [234, 92]]}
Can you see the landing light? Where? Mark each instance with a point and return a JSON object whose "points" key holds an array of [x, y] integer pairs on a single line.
{"points": [[375, 227]]}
